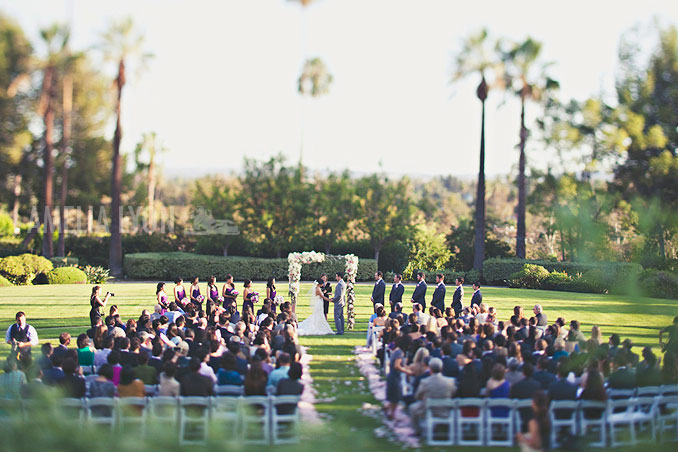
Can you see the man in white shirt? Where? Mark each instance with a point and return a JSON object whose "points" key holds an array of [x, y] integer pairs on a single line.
{"points": [[20, 334], [422, 317]]}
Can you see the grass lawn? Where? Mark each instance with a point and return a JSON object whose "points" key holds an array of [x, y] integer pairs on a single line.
{"points": [[341, 390]]}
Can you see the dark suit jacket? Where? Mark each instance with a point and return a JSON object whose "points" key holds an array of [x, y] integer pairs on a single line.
{"points": [[438, 299], [450, 367], [623, 378], [60, 351], [477, 298], [544, 377], [562, 390], [456, 299], [525, 388], [419, 294], [194, 384], [378, 292], [396, 295]]}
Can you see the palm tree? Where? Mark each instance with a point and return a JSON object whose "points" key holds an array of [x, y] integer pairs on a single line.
{"points": [[529, 81], [149, 145], [56, 39], [119, 42], [478, 58], [314, 81]]}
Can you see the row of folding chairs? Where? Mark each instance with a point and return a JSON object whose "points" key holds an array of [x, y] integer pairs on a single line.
{"points": [[219, 390], [260, 420], [495, 422]]}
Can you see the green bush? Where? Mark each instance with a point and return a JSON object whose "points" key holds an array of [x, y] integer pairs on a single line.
{"points": [[11, 246], [67, 275], [659, 284], [67, 261], [557, 281], [96, 275], [167, 266], [6, 225], [621, 275], [23, 269], [4, 282], [530, 277]]}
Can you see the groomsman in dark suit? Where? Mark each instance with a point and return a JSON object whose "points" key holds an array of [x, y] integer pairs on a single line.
{"points": [[439, 293], [419, 294], [477, 297], [397, 291], [457, 297], [379, 289]]}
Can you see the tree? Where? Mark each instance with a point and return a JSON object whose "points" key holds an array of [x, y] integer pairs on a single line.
{"points": [[119, 43], [476, 58], [461, 244], [334, 205], [221, 199], [527, 77], [385, 210], [428, 252], [145, 155]]}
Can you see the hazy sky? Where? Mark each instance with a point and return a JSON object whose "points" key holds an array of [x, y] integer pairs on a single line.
{"points": [[222, 85]]}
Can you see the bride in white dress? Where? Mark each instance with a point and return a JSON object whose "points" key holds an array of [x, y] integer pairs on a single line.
{"points": [[315, 324]]}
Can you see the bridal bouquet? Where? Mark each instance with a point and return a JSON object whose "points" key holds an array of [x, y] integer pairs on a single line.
{"points": [[254, 298], [200, 298], [278, 300]]}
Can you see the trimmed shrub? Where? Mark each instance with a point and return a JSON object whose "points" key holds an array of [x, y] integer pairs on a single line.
{"points": [[23, 269], [659, 284], [67, 275], [96, 275], [4, 282], [530, 277], [68, 261], [167, 266], [6, 225], [557, 281]]}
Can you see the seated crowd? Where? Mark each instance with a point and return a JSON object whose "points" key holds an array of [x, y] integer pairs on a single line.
{"points": [[185, 351], [477, 355]]}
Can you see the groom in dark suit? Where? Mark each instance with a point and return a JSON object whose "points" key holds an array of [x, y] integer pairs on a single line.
{"points": [[379, 289], [439, 293], [397, 291], [419, 294]]}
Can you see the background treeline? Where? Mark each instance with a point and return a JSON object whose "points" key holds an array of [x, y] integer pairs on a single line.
{"points": [[609, 192]]}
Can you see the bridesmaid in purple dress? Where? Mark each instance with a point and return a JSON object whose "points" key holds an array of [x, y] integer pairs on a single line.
{"points": [[228, 291], [196, 297], [271, 293], [247, 295], [212, 294], [180, 297], [161, 296]]}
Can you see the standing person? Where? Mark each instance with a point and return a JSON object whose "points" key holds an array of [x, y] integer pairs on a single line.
{"points": [[379, 289], [397, 366], [196, 297], [419, 294], [477, 297], [271, 292], [339, 300], [180, 297], [671, 346], [247, 295], [457, 303], [161, 296], [21, 335], [397, 291], [326, 290], [438, 299], [97, 303], [212, 294]]}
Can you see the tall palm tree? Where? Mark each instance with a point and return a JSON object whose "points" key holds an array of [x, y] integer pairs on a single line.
{"points": [[529, 81], [478, 57], [56, 39], [150, 148], [119, 43], [314, 81]]}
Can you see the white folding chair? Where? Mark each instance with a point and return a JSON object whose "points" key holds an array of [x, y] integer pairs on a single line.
{"points": [[285, 419], [374, 341], [563, 415], [644, 413], [667, 417], [620, 418], [132, 411], [522, 413], [440, 421], [163, 412], [256, 418], [648, 391], [470, 416], [499, 425], [151, 390], [102, 411], [408, 389], [616, 394], [668, 390], [592, 422], [88, 381], [387, 361], [74, 409], [226, 412], [229, 390], [193, 420]]}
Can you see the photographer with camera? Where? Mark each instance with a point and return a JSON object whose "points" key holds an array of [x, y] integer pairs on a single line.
{"points": [[97, 303]]}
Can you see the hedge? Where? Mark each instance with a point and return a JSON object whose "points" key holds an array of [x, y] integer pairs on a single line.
{"points": [[23, 269], [4, 282], [659, 284], [68, 261], [11, 246], [167, 266], [619, 276], [67, 275]]}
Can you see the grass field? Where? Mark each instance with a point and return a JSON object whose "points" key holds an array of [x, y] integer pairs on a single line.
{"points": [[341, 390]]}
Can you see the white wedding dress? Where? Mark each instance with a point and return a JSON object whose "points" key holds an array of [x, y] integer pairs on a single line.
{"points": [[315, 324]]}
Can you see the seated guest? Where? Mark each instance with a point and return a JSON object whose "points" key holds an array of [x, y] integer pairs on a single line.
{"points": [[525, 389], [44, 361], [622, 377], [195, 384], [130, 386], [434, 387], [648, 373], [103, 385], [54, 374], [256, 381], [11, 381], [469, 386], [282, 372], [542, 375], [72, 383], [144, 372], [64, 342], [513, 375], [593, 390], [114, 360], [561, 389], [498, 388], [169, 386], [291, 385], [538, 437], [101, 356], [539, 316], [228, 373], [85, 351]]}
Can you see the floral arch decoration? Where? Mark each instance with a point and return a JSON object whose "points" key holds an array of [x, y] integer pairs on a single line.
{"points": [[296, 260]]}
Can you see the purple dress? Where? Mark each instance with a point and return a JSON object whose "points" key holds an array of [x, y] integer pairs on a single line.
{"points": [[272, 298], [196, 295], [163, 302], [181, 294]]}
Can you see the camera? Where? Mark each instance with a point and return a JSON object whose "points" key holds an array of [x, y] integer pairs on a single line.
{"points": [[111, 294]]}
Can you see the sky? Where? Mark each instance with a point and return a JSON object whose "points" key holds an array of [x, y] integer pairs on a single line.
{"points": [[223, 83]]}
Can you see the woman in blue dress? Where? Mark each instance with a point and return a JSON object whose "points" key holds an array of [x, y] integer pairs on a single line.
{"points": [[498, 388], [394, 391]]}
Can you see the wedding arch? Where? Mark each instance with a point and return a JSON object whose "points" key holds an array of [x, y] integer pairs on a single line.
{"points": [[296, 260]]}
